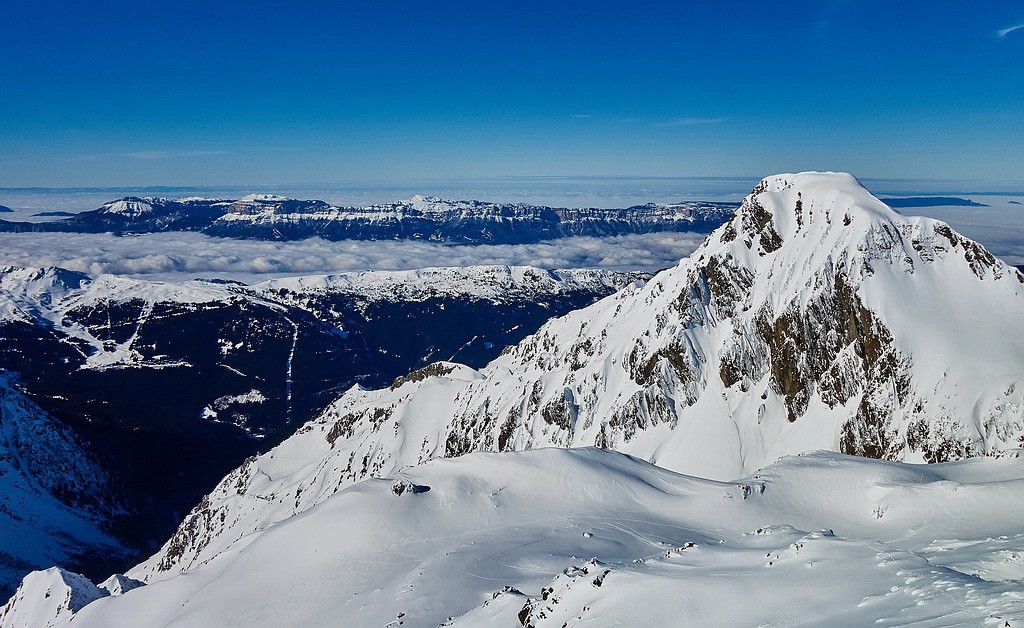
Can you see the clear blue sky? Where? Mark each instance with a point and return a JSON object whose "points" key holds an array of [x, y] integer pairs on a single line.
{"points": [[221, 93]]}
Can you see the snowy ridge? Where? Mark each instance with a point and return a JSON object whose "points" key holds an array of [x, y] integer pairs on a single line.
{"points": [[490, 281], [52, 297], [440, 209], [51, 292], [49, 295], [559, 537], [443, 220], [39, 289], [817, 318]]}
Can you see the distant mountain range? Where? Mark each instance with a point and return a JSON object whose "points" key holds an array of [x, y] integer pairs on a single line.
{"points": [[931, 201], [267, 217]]}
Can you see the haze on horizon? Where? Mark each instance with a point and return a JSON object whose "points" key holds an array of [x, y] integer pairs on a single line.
{"points": [[129, 94]]}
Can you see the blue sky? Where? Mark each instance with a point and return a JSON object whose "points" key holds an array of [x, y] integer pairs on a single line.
{"points": [[261, 93]]}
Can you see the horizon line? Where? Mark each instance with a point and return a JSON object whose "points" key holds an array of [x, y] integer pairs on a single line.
{"points": [[415, 180]]}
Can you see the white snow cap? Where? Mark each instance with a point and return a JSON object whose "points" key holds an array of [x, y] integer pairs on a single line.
{"points": [[130, 207], [263, 198]]}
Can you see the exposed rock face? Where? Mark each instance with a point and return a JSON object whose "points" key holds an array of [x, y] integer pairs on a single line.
{"points": [[817, 318]]}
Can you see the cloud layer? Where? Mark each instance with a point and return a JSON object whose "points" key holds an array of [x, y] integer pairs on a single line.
{"points": [[1003, 32], [175, 256]]}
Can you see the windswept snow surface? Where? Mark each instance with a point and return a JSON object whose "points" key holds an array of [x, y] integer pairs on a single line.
{"points": [[559, 537]]}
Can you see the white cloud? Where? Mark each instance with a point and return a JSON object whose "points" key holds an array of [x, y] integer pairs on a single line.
{"points": [[1003, 32], [175, 256]]}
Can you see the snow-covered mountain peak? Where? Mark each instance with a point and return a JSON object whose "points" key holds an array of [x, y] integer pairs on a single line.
{"points": [[420, 199], [49, 597], [63, 289], [828, 182], [795, 232], [832, 207], [130, 206], [815, 295], [49, 279], [119, 584], [263, 198], [817, 198], [429, 204], [22, 289]]}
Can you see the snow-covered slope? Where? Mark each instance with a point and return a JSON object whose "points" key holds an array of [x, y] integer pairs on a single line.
{"points": [[493, 282], [63, 300], [590, 537], [69, 301], [817, 318], [55, 500]]}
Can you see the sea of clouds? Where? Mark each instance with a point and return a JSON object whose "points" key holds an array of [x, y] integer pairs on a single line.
{"points": [[178, 256]]}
